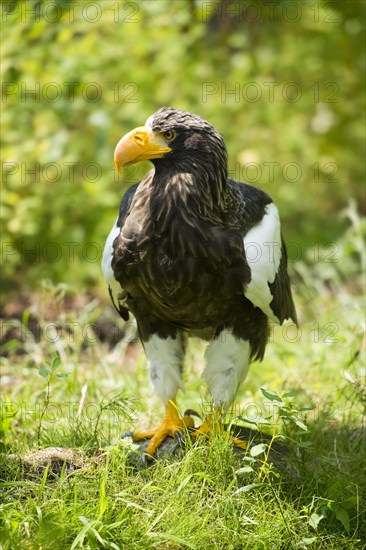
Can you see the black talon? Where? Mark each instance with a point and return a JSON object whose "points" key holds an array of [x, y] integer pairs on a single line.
{"points": [[179, 437], [146, 458], [191, 412], [126, 434]]}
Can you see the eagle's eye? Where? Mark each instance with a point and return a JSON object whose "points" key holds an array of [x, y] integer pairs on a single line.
{"points": [[169, 135]]}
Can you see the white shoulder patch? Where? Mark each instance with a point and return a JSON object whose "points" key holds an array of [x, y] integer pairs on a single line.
{"points": [[262, 245], [107, 263]]}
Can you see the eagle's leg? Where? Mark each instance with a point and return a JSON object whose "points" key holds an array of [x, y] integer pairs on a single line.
{"points": [[228, 361], [172, 425], [165, 357]]}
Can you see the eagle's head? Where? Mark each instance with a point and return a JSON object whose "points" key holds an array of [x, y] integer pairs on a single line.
{"points": [[175, 141]]}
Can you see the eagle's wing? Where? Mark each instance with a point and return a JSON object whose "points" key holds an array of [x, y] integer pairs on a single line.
{"points": [[282, 303], [269, 288], [116, 293]]}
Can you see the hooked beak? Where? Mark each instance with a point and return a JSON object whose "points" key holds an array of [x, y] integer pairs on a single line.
{"points": [[139, 144]]}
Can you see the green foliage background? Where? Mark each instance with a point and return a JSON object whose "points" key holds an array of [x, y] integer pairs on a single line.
{"points": [[122, 61]]}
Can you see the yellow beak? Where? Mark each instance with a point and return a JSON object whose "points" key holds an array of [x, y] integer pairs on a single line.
{"points": [[139, 144]]}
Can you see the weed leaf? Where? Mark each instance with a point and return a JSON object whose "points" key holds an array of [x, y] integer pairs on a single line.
{"points": [[272, 396]]}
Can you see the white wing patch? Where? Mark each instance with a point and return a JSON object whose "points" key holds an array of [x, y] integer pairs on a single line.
{"points": [[262, 245], [107, 263]]}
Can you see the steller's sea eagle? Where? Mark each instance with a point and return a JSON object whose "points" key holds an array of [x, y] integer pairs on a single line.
{"points": [[194, 253]]}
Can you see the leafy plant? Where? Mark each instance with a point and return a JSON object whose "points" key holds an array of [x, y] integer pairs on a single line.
{"points": [[291, 415], [49, 373]]}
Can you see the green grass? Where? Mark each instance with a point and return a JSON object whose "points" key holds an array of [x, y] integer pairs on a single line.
{"points": [[206, 498], [200, 501]]}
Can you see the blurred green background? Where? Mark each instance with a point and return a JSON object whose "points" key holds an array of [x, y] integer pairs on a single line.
{"points": [[282, 81]]}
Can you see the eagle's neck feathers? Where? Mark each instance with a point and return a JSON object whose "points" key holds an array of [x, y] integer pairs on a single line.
{"points": [[196, 190]]}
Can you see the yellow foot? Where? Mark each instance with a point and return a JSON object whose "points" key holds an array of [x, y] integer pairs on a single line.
{"points": [[172, 425], [213, 424], [241, 443]]}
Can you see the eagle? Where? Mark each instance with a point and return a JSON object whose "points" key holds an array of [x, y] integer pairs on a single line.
{"points": [[194, 253]]}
